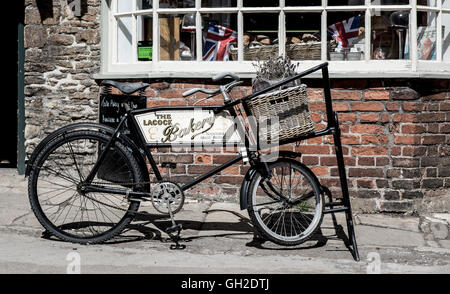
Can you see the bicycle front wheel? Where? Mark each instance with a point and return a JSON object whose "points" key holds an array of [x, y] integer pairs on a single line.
{"points": [[286, 208], [70, 213]]}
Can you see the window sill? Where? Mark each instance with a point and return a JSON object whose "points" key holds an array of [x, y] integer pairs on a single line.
{"points": [[247, 75]]}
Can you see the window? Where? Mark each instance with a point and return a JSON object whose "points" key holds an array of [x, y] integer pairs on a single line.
{"points": [[201, 37]]}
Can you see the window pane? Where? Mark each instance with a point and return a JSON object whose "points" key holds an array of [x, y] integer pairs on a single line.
{"points": [[144, 4], [346, 30], [260, 36], [446, 3], [390, 2], [219, 3], [124, 6], [303, 36], [446, 36], [426, 35], [345, 2], [177, 37], [390, 35], [432, 3], [124, 38], [260, 3], [176, 3], [145, 37], [220, 35], [303, 2]]}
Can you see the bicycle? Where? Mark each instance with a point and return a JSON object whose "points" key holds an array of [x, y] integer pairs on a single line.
{"points": [[87, 180]]}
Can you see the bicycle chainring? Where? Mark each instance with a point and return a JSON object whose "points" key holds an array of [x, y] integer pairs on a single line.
{"points": [[164, 193]]}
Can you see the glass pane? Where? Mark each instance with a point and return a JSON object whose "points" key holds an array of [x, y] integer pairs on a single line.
{"points": [[124, 6], [124, 37], [144, 4], [390, 35], [446, 36], [145, 37], [176, 3], [390, 2], [260, 3], [426, 35], [219, 3], [220, 35], [177, 37], [260, 36], [432, 3], [346, 2], [446, 3], [303, 36], [303, 2], [346, 33]]}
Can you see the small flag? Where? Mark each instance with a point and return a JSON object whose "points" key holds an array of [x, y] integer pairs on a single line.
{"points": [[346, 32], [218, 41]]}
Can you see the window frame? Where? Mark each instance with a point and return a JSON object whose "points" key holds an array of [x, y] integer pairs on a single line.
{"points": [[198, 68]]}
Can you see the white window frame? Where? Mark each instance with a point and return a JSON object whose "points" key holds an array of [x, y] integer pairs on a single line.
{"points": [[198, 68]]}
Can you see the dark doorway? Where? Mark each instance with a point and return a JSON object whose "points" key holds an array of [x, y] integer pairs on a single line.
{"points": [[12, 49]]}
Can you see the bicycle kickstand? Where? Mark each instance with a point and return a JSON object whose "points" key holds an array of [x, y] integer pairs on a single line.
{"points": [[174, 228]]}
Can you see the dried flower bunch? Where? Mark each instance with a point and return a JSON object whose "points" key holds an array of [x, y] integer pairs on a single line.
{"points": [[272, 70], [275, 68]]}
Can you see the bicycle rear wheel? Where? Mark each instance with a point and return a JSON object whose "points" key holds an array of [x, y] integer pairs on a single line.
{"points": [[287, 207], [63, 208]]}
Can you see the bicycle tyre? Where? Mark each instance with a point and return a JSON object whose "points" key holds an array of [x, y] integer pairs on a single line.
{"points": [[262, 222], [44, 164]]}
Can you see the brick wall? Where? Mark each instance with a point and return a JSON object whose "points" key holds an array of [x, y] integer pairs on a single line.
{"points": [[396, 133]]}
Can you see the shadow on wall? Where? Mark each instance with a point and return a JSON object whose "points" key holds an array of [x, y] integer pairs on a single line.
{"points": [[45, 7]]}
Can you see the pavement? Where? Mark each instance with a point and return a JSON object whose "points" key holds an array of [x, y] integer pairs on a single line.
{"points": [[219, 240]]}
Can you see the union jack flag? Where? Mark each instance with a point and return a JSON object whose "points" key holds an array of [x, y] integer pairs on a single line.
{"points": [[218, 41], [346, 32]]}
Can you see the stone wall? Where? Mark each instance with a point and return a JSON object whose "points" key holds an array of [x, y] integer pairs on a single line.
{"points": [[396, 133], [62, 52]]}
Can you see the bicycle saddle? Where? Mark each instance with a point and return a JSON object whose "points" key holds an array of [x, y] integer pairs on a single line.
{"points": [[126, 88]]}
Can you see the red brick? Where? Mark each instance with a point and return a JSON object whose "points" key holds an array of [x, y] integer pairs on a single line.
{"points": [[444, 106], [433, 117], [445, 128], [364, 183], [368, 117], [392, 106], [405, 117], [433, 139], [317, 106], [342, 106], [313, 149], [413, 129], [310, 160], [367, 106], [202, 158], [396, 151], [221, 159], [369, 129], [171, 93], [350, 139], [366, 161], [376, 95], [369, 150], [156, 103], [413, 106], [346, 95], [347, 117], [407, 140], [320, 171], [371, 139], [328, 160]]}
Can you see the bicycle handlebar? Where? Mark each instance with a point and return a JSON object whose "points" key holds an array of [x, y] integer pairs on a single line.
{"points": [[222, 75], [195, 90]]}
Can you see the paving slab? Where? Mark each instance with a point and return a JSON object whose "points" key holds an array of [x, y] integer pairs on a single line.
{"points": [[405, 223]]}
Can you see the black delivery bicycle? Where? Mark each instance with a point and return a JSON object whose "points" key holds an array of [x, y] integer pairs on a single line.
{"points": [[87, 180]]}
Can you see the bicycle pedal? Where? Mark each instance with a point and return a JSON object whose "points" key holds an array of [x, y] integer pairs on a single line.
{"points": [[177, 247]]}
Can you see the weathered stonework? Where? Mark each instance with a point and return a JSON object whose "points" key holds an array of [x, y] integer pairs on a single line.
{"points": [[62, 54], [396, 133]]}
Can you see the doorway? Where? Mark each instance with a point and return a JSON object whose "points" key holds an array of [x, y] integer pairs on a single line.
{"points": [[12, 117]]}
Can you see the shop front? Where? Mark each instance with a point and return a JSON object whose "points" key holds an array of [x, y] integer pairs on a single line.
{"points": [[389, 62]]}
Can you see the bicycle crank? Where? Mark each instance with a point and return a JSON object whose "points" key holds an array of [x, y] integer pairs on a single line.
{"points": [[167, 198]]}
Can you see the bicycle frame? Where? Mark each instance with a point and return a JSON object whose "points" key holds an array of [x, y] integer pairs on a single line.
{"points": [[130, 117]]}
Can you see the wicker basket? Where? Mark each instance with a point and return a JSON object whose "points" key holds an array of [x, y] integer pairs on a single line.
{"points": [[290, 106], [297, 51]]}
